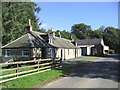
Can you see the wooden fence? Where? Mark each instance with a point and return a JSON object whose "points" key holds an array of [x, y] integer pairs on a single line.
{"points": [[41, 65]]}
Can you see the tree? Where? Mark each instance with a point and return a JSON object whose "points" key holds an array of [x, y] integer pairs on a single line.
{"points": [[42, 30], [98, 34], [74, 37], [118, 49], [102, 28], [15, 17], [65, 34], [81, 30], [112, 38]]}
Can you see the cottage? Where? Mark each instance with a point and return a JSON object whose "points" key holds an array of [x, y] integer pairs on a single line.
{"points": [[93, 46], [63, 48], [29, 46], [35, 45]]}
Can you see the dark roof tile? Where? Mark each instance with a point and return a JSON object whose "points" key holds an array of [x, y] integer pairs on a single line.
{"points": [[88, 41], [27, 40], [62, 43]]}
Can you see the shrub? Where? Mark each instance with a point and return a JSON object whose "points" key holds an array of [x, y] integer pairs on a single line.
{"points": [[111, 51]]}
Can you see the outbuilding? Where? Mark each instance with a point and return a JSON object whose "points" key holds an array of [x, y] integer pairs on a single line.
{"points": [[93, 46]]}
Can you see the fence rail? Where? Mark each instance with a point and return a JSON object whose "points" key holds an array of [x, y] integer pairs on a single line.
{"points": [[41, 66]]}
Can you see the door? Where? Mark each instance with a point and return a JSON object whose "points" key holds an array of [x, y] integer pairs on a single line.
{"points": [[84, 50]]}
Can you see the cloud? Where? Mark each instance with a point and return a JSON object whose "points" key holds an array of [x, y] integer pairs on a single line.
{"points": [[44, 25]]}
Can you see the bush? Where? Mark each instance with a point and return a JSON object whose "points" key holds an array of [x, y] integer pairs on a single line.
{"points": [[111, 51]]}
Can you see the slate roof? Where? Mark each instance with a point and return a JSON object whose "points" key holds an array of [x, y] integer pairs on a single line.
{"points": [[28, 40], [34, 39], [88, 41], [62, 43]]}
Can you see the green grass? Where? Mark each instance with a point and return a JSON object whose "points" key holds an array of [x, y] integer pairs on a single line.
{"points": [[13, 71], [32, 80], [20, 70]]}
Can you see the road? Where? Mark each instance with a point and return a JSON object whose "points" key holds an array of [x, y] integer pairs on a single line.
{"points": [[99, 73]]}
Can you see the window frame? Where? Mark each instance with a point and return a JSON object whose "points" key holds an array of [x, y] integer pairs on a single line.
{"points": [[23, 51], [6, 51]]}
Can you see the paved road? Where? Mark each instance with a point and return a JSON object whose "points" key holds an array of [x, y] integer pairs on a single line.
{"points": [[99, 73]]}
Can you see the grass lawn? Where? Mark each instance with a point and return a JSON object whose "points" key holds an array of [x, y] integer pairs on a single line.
{"points": [[32, 80]]}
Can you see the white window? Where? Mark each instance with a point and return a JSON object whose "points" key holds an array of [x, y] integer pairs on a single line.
{"points": [[25, 53], [7, 53]]}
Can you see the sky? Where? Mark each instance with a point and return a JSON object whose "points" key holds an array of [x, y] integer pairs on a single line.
{"points": [[63, 15]]}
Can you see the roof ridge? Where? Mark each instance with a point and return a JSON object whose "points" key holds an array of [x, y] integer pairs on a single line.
{"points": [[89, 39], [31, 40], [64, 39], [39, 32], [37, 39]]}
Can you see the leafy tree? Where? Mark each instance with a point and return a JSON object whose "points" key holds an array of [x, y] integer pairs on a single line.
{"points": [[48, 31], [91, 34], [15, 19], [118, 49], [81, 30], [112, 38], [42, 30], [74, 37], [98, 34], [110, 35], [67, 35], [102, 28]]}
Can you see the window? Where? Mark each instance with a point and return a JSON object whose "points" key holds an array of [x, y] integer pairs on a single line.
{"points": [[25, 53], [7, 53]]}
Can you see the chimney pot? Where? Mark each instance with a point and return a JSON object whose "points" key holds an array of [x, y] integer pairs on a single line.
{"points": [[29, 22], [29, 28], [59, 35], [71, 38], [52, 33]]}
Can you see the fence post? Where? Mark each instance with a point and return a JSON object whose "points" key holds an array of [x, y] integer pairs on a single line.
{"points": [[17, 70], [38, 65], [60, 62], [53, 60]]}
